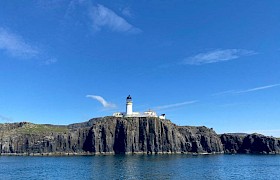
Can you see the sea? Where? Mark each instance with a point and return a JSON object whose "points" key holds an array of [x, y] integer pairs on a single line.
{"points": [[104, 167]]}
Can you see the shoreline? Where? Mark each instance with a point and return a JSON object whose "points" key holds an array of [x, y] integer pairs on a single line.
{"points": [[62, 154], [106, 154]]}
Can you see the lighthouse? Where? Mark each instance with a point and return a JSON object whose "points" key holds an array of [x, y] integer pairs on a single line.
{"points": [[130, 113], [129, 106]]}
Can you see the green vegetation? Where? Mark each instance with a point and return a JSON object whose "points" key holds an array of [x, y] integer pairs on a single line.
{"points": [[41, 129]]}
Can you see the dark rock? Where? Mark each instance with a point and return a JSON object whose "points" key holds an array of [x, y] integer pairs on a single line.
{"points": [[256, 143], [127, 135], [108, 135], [251, 143], [231, 142]]}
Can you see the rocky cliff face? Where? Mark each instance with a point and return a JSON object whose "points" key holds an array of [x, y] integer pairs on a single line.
{"points": [[108, 135], [126, 135], [251, 143], [27, 138], [149, 135]]}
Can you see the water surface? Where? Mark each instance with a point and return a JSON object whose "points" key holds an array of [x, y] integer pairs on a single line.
{"points": [[141, 167]]}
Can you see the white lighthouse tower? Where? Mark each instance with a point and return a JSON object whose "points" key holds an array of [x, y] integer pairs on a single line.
{"points": [[129, 106], [130, 113]]}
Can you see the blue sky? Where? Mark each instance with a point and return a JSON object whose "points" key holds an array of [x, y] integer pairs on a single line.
{"points": [[201, 62]]}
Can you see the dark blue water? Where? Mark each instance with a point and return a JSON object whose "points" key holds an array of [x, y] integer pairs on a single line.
{"points": [[141, 167]]}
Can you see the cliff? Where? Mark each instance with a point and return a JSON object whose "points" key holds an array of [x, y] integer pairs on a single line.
{"points": [[111, 135], [250, 143], [108, 135]]}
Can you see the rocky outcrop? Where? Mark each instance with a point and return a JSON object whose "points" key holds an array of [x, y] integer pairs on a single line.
{"points": [[251, 143], [108, 135], [28, 138], [149, 135]]}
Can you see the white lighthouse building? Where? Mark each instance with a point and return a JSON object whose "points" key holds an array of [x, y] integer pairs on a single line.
{"points": [[129, 112]]}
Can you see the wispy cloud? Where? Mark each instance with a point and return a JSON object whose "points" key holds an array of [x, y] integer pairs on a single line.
{"points": [[15, 45], [102, 101], [175, 105], [104, 17], [100, 17], [257, 88], [224, 93], [6, 119], [218, 55], [246, 90]]}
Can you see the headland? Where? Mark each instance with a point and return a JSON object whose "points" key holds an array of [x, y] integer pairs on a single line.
{"points": [[127, 135]]}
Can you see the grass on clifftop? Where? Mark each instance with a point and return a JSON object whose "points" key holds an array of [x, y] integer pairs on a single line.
{"points": [[41, 129]]}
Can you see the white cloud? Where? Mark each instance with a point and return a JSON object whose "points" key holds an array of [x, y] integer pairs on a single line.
{"points": [[102, 101], [246, 90], [224, 93], [217, 56], [103, 17], [257, 88], [175, 105], [15, 45]]}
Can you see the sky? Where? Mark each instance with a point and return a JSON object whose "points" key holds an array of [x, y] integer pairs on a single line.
{"points": [[201, 62]]}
